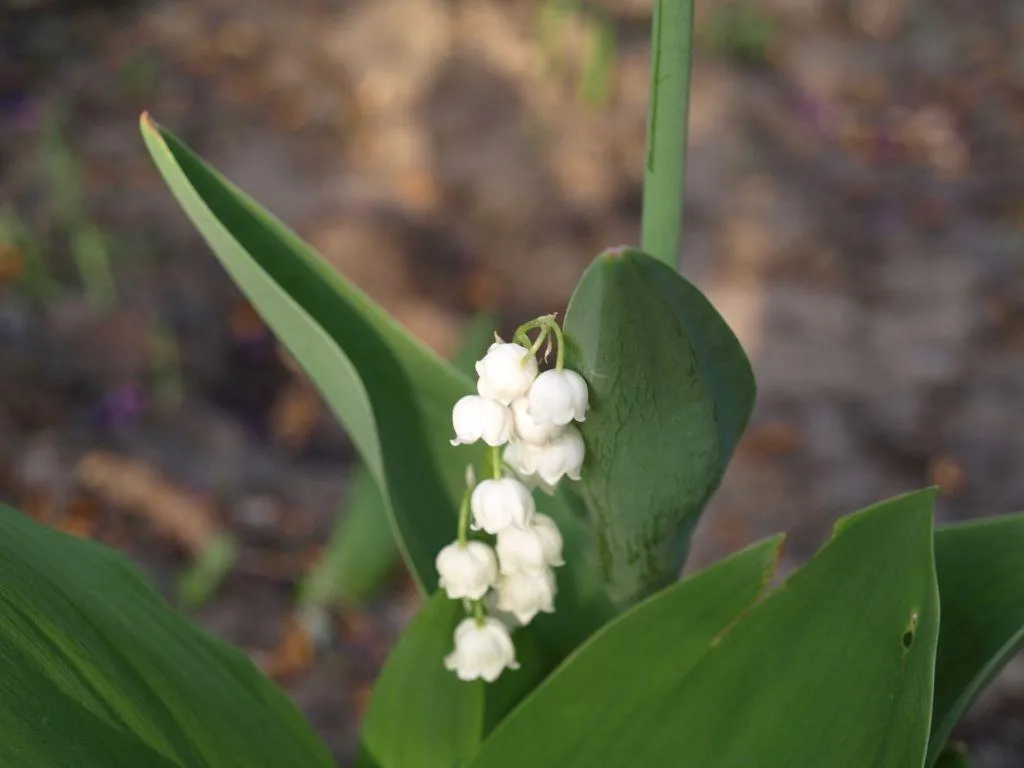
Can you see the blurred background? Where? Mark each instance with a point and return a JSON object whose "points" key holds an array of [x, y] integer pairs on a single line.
{"points": [[855, 209]]}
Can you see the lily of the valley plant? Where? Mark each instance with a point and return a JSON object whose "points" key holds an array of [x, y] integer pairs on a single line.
{"points": [[508, 585], [545, 516]]}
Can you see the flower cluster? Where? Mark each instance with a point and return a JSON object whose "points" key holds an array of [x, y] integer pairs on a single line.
{"points": [[508, 578]]}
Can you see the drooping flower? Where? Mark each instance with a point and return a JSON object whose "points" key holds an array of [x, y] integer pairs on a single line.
{"points": [[558, 396], [477, 418], [467, 570], [524, 594], [533, 548], [505, 617], [506, 372], [522, 457], [483, 649], [544, 465], [526, 429], [501, 502]]}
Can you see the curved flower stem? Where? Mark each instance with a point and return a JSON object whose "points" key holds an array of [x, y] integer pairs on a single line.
{"points": [[537, 344], [560, 355], [478, 612], [464, 517]]}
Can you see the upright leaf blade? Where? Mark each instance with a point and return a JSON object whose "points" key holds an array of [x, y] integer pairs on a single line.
{"points": [[671, 391], [362, 549], [97, 671], [392, 394], [981, 587], [645, 651]]}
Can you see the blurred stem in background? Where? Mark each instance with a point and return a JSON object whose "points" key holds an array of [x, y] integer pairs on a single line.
{"points": [[667, 122], [598, 64], [18, 244], [87, 241]]}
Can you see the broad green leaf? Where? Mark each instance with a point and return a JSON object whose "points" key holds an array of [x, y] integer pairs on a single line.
{"points": [[832, 669], [671, 391], [392, 394], [981, 586], [646, 650], [97, 671]]}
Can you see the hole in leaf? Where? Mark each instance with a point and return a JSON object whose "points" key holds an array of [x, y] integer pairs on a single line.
{"points": [[908, 636]]}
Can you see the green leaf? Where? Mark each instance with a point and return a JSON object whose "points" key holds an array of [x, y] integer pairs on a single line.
{"points": [[646, 650], [362, 550], [393, 395], [421, 714], [953, 757], [476, 338], [671, 391], [981, 586], [832, 669], [97, 671]]}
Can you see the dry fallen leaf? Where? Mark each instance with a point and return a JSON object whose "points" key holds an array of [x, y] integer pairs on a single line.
{"points": [[293, 654], [82, 518], [134, 487], [948, 474], [297, 411], [12, 264]]}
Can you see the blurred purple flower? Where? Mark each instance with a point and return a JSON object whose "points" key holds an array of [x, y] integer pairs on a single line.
{"points": [[18, 110], [122, 406]]}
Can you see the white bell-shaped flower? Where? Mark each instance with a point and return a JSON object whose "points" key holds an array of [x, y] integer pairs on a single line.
{"points": [[482, 650], [562, 457], [524, 594], [506, 372], [533, 548], [500, 503], [506, 618], [526, 429], [477, 418], [558, 396], [523, 458], [467, 570]]}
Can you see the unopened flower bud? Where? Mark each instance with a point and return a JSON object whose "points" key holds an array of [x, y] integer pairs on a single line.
{"points": [[477, 418], [482, 650], [506, 372], [500, 503], [558, 396], [467, 570]]}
